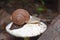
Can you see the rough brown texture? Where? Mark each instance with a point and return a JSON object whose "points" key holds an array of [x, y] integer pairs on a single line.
{"points": [[20, 16], [14, 26], [4, 19], [5, 36], [53, 32]]}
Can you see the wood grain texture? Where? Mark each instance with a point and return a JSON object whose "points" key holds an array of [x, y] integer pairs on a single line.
{"points": [[53, 32]]}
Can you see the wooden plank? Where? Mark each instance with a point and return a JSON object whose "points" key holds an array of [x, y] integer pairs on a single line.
{"points": [[53, 31]]}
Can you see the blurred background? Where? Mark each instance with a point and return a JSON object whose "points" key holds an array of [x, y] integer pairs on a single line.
{"points": [[47, 10]]}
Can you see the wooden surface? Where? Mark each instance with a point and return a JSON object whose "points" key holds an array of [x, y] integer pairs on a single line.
{"points": [[53, 32]]}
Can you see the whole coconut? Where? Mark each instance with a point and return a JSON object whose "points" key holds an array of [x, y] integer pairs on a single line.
{"points": [[20, 16]]}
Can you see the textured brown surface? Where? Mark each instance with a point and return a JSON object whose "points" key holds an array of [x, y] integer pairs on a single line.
{"points": [[20, 16], [4, 19], [5, 36], [14, 26], [53, 31]]}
